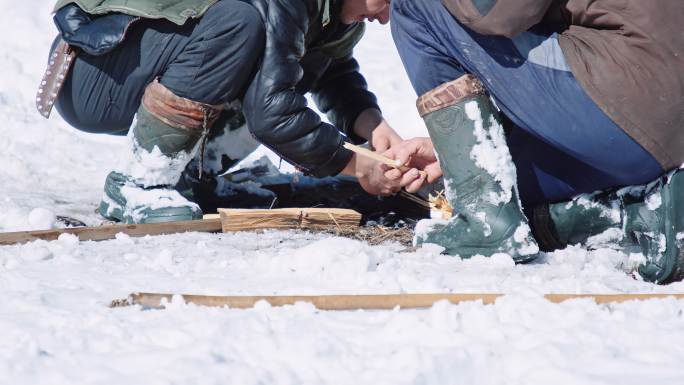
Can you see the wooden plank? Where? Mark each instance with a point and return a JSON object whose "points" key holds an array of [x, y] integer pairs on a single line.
{"points": [[290, 218], [101, 233], [367, 302], [230, 220]]}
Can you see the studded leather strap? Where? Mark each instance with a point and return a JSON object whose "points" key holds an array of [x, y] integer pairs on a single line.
{"points": [[58, 68]]}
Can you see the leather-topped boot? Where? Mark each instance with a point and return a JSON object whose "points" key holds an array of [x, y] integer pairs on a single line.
{"points": [[163, 139], [479, 175]]}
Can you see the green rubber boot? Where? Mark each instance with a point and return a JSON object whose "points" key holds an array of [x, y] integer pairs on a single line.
{"points": [[479, 176], [654, 226], [641, 219], [163, 139]]}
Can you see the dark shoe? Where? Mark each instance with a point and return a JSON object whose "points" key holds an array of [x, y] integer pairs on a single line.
{"points": [[479, 176]]}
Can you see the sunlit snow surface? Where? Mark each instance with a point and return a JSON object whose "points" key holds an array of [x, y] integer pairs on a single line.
{"points": [[55, 327]]}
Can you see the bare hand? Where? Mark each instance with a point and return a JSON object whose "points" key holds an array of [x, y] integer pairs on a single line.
{"points": [[371, 126], [417, 153], [371, 176], [384, 137]]}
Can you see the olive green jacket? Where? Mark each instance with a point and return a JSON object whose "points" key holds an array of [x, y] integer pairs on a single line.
{"points": [[179, 11]]}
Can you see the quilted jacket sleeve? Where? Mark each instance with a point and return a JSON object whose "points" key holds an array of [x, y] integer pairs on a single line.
{"points": [[276, 113], [499, 17], [342, 93]]}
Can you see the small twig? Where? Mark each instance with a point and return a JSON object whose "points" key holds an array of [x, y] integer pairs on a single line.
{"points": [[414, 199], [335, 220]]}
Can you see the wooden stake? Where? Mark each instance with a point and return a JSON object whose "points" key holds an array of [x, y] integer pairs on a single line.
{"points": [[366, 302], [379, 157], [291, 218]]}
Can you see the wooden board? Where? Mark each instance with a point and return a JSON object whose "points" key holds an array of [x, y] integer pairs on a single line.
{"points": [[101, 233], [230, 220], [291, 218], [367, 302]]}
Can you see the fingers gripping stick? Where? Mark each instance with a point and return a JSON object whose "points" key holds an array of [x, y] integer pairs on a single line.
{"points": [[380, 158]]}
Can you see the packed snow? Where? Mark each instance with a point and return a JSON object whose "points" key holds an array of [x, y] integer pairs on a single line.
{"points": [[56, 326]]}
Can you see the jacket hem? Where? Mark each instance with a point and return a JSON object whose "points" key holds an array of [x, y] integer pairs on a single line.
{"points": [[180, 19], [656, 150]]}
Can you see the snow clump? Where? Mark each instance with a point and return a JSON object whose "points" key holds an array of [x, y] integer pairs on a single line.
{"points": [[152, 168], [42, 219], [492, 154]]}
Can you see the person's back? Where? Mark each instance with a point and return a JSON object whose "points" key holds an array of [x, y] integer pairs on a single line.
{"points": [[628, 55], [593, 93]]}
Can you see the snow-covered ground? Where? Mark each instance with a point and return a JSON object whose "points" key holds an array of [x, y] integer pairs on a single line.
{"points": [[56, 328]]}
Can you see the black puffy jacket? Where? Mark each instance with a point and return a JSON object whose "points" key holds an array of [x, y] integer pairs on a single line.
{"points": [[307, 49], [298, 58]]}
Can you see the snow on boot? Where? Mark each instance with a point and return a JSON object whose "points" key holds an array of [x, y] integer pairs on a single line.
{"points": [[654, 226], [163, 139], [479, 176]]}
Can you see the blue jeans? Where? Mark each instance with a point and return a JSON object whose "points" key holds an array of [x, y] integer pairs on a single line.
{"points": [[561, 142]]}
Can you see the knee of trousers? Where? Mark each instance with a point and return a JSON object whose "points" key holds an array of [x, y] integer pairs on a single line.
{"points": [[405, 13], [409, 16]]}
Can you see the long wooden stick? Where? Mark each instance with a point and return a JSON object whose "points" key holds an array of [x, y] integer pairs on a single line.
{"points": [[373, 155], [365, 302], [100, 233]]}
